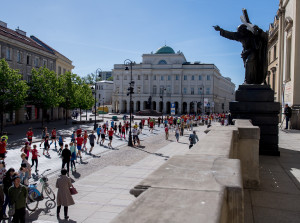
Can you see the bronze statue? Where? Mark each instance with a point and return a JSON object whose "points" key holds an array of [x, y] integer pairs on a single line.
{"points": [[254, 54]]}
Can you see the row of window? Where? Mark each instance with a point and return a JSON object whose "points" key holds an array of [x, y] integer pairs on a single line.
{"points": [[169, 78], [28, 59], [167, 90]]}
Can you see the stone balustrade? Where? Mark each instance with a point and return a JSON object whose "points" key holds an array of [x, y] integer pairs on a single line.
{"points": [[204, 185]]}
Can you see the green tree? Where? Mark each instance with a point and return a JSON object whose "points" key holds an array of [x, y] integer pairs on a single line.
{"points": [[110, 78], [13, 90], [68, 84], [84, 97], [90, 78], [44, 90]]}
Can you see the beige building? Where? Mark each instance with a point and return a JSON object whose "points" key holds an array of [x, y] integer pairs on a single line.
{"points": [[283, 65], [170, 79]]}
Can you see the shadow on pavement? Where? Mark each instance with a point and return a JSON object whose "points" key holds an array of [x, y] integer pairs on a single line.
{"points": [[49, 204], [76, 174], [156, 154]]}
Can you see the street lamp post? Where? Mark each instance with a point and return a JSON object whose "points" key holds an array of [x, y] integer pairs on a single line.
{"points": [[97, 71], [103, 110], [162, 108], [129, 63]]}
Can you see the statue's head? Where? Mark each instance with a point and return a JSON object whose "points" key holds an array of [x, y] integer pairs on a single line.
{"points": [[242, 28]]}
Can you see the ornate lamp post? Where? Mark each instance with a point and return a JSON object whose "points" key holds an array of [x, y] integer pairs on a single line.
{"points": [[103, 110], [97, 71], [162, 100], [128, 63]]}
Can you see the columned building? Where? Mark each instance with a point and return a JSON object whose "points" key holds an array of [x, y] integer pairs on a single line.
{"points": [[169, 78], [104, 90], [284, 54]]}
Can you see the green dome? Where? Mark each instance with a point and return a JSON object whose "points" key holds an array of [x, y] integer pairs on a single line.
{"points": [[165, 50]]}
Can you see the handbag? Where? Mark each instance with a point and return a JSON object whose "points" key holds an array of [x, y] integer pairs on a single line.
{"points": [[73, 191], [12, 210]]}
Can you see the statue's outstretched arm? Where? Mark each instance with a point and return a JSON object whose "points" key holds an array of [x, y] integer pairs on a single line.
{"points": [[227, 34]]}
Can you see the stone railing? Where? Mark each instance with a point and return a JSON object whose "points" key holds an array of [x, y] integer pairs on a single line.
{"points": [[205, 185]]}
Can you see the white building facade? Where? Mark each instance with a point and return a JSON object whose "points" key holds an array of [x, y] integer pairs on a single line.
{"points": [[104, 90], [168, 78]]}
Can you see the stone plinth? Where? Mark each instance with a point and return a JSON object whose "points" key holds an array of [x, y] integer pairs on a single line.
{"points": [[256, 102]]}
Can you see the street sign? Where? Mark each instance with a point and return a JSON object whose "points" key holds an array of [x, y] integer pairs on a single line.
{"points": [[172, 108]]}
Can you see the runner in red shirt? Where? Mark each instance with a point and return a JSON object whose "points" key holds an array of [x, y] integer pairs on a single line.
{"points": [[2, 149], [123, 132], [110, 137], [78, 131], [29, 135], [151, 126], [53, 137], [79, 141], [127, 126], [85, 137], [167, 132], [34, 158]]}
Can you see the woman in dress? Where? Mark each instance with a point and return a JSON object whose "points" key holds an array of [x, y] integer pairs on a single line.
{"points": [[64, 197]]}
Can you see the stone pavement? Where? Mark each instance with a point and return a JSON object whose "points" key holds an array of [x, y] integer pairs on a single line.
{"points": [[277, 200], [105, 193]]}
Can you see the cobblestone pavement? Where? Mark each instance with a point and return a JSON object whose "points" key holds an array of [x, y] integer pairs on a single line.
{"points": [[108, 167]]}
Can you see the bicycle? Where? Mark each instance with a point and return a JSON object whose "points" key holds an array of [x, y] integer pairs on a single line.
{"points": [[34, 195]]}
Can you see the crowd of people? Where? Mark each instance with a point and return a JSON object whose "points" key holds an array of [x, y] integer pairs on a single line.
{"points": [[15, 182]]}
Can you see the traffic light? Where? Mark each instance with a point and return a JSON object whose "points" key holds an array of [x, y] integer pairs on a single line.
{"points": [[130, 91]]}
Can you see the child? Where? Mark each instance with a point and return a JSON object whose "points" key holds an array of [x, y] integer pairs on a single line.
{"points": [[34, 157], [26, 164], [73, 156], [73, 137], [26, 149], [24, 175]]}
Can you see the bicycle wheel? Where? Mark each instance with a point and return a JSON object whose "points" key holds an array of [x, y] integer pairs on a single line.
{"points": [[50, 193], [31, 203]]}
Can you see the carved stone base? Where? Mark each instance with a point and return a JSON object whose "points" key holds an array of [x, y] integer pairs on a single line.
{"points": [[256, 102]]}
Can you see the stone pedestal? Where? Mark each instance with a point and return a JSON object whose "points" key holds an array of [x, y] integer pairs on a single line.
{"points": [[256, 102]]}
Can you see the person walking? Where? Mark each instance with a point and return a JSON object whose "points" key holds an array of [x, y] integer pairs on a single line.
{"points": [[288, 115], [102, 136], [193, 137], [61, 144], [34, 158], [53, 137], [110, 137], [79, 141], [98, 133], [26, 149], [85, 138], [73, 156], [167, 132], [177, 133], [7, 183], [2, 149], [44, 133], [46, 145], [18, 195], [64, 197], [29, 135], [92, 138], [66, 157]]}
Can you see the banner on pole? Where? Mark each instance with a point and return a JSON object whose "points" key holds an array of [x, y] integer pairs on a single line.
{"points": [[172, 108]]}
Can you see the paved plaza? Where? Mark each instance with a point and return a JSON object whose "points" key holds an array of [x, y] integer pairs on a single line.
{"points": [[104, 179]]}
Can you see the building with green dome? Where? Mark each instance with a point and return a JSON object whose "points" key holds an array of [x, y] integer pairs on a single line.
{"points": [[166, 76]]}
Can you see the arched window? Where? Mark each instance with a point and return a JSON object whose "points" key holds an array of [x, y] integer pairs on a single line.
{"points": [[162, 62]]}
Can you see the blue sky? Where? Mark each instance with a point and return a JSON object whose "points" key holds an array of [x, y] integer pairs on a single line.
{"points": [[98, 34]]}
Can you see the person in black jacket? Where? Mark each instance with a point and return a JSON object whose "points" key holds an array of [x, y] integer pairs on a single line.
{"points": [[66, 157], [288, 115], [7, 183]]}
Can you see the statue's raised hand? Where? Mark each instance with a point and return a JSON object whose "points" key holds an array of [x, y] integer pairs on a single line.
{"points": [[217, 28]]}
